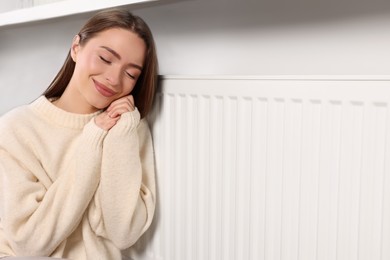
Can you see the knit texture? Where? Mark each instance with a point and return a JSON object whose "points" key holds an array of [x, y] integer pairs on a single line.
{"points": [[70, 189]]}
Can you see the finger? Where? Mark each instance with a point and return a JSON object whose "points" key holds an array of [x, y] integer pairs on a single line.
{"points": [[129, 100], [105, 122], [118, 110], [124, 99], [120, 107]]}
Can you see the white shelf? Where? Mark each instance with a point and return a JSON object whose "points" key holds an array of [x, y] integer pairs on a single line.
{"points": [[60, 9]]}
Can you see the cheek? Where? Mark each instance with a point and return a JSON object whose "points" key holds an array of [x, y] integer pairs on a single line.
{"points": [[94, 65], [88, 65], [128, 87]]}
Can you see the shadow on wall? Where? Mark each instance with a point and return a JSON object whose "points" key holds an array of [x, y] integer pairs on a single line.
{"points": [[233, 14], [285, 12]]}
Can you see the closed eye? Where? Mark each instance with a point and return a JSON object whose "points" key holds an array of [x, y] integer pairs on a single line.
{"points": [[129, 75], [105, 60]]}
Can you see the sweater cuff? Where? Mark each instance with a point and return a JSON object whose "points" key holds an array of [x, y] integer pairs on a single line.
{"points": [[127, 123], [94, 134]]}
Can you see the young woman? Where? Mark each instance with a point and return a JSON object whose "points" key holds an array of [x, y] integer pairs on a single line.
{"points": [[76, 165]]}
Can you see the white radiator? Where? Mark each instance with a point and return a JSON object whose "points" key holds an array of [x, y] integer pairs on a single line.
{"points": [[271, 169]]}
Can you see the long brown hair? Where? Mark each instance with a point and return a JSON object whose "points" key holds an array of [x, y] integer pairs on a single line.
{"points": [[145, 87]]}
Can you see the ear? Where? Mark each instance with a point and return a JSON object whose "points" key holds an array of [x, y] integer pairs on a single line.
{"points": [[75, 47]]}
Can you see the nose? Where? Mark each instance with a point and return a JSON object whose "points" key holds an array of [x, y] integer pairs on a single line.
{"points": [[113, 76]]}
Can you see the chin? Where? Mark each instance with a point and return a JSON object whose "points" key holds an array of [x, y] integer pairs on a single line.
{"points": [[100, 107], [100, 104]]}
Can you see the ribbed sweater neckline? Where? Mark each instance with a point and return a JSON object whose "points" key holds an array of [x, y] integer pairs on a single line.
{"points": [[60, 117]]}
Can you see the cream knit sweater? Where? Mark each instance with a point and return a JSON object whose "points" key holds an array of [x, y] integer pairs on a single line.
{"points": [[70, 189]]}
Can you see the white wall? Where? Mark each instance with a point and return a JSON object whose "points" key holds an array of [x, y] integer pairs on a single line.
{"points": [[229, 37], [9, 5], [253, 37]]}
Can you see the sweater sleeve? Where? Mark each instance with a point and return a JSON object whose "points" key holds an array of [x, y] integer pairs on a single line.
{"points": [[37, 218], [124, 204]]}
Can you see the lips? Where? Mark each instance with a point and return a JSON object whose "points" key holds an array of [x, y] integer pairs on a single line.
{"points": [[103, 90]]}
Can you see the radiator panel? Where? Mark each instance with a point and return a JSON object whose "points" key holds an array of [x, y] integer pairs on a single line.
{"points": [[258, 168]]}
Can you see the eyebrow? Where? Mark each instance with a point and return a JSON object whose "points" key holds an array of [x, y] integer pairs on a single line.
{"points": [[119, 57]]}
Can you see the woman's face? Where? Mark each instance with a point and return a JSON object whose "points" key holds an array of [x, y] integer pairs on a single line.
{"points": [[107, 67]]}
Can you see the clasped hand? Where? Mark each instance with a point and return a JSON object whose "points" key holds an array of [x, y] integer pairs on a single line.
{"points": [[112, 114]]}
